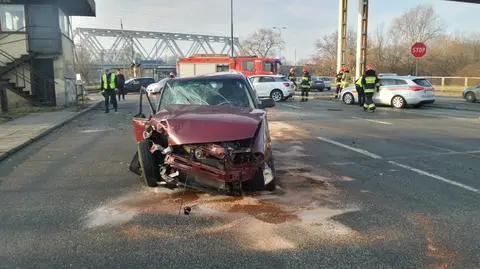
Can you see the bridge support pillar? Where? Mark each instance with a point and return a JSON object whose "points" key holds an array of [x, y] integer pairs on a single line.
{"points": [[362, 37], [342, 33]]}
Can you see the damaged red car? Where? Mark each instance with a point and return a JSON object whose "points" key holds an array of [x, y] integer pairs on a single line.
{"points": [[206, 132]]}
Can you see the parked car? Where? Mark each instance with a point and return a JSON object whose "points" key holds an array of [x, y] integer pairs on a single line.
{"points": [[317, 84], [156, 87], [472, 94], [327, 82], [207, 132], [397, 91], [277, 87], [134, 84]]}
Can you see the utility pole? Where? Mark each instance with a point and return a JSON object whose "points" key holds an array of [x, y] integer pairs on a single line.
{"points": [[342, 33], [231, 26], [280, 32]]}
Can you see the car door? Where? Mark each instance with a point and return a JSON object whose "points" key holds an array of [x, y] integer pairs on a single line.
{"points": [[383, 96], [259, 87], [268, 84]]}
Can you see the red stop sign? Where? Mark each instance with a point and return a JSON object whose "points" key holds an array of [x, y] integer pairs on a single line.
{"points": [[419, 49]]}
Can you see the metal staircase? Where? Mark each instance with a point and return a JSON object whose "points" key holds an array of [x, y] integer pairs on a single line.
{"points": [[16, 66]]}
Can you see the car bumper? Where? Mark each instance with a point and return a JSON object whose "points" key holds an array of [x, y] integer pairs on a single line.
{"points": [[414, 100]]}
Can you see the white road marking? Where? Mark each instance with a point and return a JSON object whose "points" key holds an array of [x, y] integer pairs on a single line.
{"points": [[376, 121], [293, 106], [361, 151], [421, 172]]}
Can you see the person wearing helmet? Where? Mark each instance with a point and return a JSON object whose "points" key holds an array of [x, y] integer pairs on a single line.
{"points": [[338, 78], [305, 84], [370, 83], [293, 77], [346, 78]]}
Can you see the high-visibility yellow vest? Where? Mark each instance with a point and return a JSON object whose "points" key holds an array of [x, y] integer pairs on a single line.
{"points": [[347, 77], [359, 81], [370, 83], [112, 83]]}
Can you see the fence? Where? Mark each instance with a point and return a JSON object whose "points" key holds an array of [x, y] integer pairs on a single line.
{"points": [[453, 84]]}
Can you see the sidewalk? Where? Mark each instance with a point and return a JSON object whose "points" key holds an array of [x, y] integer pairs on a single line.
{"points": [[20, 132]]}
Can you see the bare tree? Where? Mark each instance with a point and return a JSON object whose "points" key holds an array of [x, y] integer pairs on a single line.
{"points": [[420, 23], [83, 63], [325, 58], [263, 42]]}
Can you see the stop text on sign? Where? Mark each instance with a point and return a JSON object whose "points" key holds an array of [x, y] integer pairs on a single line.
{"points": [[419, 49]]}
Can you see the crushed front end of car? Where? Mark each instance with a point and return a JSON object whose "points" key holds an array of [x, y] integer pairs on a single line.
{"points": [[227, 150]]}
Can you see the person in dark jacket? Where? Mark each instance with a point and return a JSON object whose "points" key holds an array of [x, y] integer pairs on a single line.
{"points": [[120, 84], [107, 86], [292, 77], [338, 81], [370, 86], [305, 84]]}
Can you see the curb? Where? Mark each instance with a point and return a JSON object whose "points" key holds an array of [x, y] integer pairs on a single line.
{"points": [[47, 131]]}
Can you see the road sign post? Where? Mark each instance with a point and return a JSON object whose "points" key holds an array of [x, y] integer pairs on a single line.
{"points": [[418, 50]]}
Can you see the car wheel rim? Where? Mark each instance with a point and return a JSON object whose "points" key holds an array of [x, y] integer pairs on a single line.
{"points": [[398, 102], [276, 96], [469, 97], [348, 99]]}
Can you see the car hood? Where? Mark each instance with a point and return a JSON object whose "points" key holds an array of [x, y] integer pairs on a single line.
{"points": [[193, 124]]}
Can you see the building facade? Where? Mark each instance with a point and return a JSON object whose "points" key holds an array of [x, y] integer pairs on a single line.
{"points": [[37, 53]]}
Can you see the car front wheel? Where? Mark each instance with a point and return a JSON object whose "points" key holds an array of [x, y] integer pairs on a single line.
{"points": [[276, 95], [348, 98]]}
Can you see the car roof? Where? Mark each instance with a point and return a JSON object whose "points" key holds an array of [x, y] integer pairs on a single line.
{"points": [[400, 77], [275, 76], [225, 75]]}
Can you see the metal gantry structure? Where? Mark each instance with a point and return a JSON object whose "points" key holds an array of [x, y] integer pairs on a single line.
{"points": [[130, 45], [362, 33]]}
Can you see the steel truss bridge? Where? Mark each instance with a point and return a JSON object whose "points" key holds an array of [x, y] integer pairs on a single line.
{"points": [[109, 47]]}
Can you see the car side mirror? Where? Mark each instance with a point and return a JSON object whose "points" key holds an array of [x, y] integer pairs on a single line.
{"points": [[266, 103]]}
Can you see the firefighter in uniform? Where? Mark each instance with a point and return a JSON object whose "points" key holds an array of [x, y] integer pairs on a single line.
{"points": [[360, 91], [292, 77], [346, 78], [370, 85], [108, 85], [339, 81], [305, 84]]}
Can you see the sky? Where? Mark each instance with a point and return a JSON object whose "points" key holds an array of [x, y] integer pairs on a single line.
{"points": [[305, 20]]}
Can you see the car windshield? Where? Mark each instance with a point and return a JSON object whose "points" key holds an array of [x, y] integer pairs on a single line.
{"points": [[129, 80], [209, 92]]}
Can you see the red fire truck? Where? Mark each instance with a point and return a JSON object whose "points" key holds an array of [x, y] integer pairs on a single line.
{"points": [[211, 63]]}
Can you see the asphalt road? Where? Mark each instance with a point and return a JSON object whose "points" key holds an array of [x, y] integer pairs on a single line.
{"points": [[393, 189]]}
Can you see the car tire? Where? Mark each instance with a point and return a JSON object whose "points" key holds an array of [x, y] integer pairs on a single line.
{"points": [[148, 168], [273, 184], [348, 98], [470, 97], [398, 102], [276, 95], [257, 183]]}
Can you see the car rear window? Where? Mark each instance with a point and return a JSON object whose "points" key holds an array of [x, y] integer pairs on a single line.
{"points": [[422, 82]]}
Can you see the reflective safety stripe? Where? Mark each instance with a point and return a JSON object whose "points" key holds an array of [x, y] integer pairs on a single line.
{"points": [[370, 80]]}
